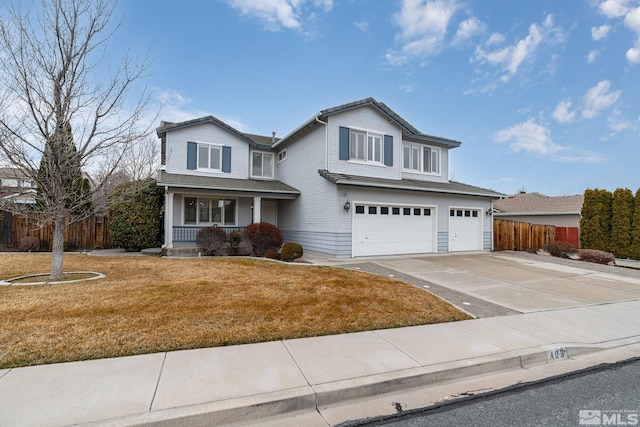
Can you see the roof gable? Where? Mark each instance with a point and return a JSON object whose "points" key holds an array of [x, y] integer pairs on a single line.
{"points": [[258, 141], [407, 129]]}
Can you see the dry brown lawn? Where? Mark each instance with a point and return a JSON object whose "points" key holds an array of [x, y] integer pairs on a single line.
{"points": [[152, 304]]}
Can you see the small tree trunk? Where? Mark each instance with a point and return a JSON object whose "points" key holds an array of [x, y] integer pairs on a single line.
{"points": [[57, 248]]}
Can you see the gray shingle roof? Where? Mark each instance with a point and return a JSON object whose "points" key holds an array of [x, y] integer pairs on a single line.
{"points": [[259, 141], [451, 187], [266, 187], [539, 203], [408, 130]]}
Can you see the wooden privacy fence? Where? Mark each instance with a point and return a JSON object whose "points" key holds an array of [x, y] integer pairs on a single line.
{"points": [[521, 236], [89, 233]]}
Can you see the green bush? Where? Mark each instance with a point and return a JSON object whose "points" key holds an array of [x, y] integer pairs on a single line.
{"points": [[291, 251], [66, 246], [559, 249], [134, 215], [595, 221], [29, 244], [596, 256], [211, 240], [263, 236], [621, 217], [634, 248]]}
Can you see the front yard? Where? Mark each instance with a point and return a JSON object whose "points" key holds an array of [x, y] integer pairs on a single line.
{"points": [[152, 304]]}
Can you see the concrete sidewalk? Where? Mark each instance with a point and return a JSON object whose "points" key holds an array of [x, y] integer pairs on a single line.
{"points": [[316, 381], [329, 380]]}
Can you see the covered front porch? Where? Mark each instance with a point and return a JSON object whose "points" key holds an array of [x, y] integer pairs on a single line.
{"points": [[194, 202]]}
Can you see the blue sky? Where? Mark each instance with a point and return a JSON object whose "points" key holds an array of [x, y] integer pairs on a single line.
{"points": [[543, 94]]}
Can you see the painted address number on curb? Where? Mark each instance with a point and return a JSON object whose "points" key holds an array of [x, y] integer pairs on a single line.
{"points": [[558, 353]]}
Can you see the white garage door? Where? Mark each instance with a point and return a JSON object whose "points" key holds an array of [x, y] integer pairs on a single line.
{"points": [[465, 230], [389, 230]]}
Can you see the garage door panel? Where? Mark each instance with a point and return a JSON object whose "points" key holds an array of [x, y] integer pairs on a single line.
{"points": [[465, 230], [375, 233]]}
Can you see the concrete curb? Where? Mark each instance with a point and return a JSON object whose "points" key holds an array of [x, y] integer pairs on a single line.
{"points": [[313, 398]]}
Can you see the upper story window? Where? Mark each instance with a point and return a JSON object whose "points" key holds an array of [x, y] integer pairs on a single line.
{"points": [[421, 158], [209, 157], [365, 146], [261, 164], [282, 155]]}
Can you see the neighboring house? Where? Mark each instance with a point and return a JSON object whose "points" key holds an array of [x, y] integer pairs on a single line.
{"points": [[353, 180], [16, 186], [563, 211]]}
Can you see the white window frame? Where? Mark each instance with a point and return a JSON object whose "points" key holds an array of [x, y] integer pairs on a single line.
{"points": [[262, 175], [369, 148], [208, 147], [209, 200], [282, 155], [416, 162]]}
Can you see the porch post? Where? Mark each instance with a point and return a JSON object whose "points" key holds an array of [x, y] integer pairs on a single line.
{"points": [[257, 214], [168, 218]]}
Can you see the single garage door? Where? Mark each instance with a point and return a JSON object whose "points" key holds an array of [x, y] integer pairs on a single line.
{"points": [[389, 230], [465, 230]]}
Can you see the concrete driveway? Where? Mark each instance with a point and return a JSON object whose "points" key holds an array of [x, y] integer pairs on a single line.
{"points": [[525, 283]]}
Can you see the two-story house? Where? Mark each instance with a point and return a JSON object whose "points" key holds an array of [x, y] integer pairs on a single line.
{"points": [[353, 180]]}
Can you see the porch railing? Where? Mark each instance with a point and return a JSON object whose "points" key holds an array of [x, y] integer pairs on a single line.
{"points": [[187, 234]]}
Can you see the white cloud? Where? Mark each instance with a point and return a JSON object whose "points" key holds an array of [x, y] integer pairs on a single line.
{"points": [[509, 59], [362, 25], [600, 32], [598, 98], [563, 113], [532, 138], [494, 39], [423, 25], [278, 14], [592, 55], [528, 137], [468, 29], [632, 20], [176, 108], [614, 8]]}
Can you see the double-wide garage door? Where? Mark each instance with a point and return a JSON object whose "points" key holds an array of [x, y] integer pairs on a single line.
{"points": [[389, 230]]}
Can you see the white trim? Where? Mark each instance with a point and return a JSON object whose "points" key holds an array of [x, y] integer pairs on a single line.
{"points": [[421, 148], [210, 145], [198, 197], [263, 153]]}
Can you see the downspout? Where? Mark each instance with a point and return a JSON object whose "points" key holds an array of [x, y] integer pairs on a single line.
{"points": [[326, 142]]}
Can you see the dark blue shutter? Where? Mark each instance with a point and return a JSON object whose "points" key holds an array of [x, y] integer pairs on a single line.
{"points": [[344, 143], [226, 159], [388, 150], [192, 155]]}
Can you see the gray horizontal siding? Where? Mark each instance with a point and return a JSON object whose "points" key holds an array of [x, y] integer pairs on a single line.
{"points": [[487, 240], [335, 244], [443, 241]]}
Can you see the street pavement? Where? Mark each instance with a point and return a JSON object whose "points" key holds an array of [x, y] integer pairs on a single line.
{"points": [[548, 318]]}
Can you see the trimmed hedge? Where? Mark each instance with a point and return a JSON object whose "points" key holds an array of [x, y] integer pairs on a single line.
{"points": [[134, 215], [291, 251], [211, 240], [263, 236]]}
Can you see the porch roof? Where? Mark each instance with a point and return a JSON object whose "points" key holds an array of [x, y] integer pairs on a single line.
{"points": [[450, 187], [258, 186]]}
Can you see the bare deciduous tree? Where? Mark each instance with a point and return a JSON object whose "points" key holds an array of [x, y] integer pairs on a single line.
{"points": [[60, 107]]}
